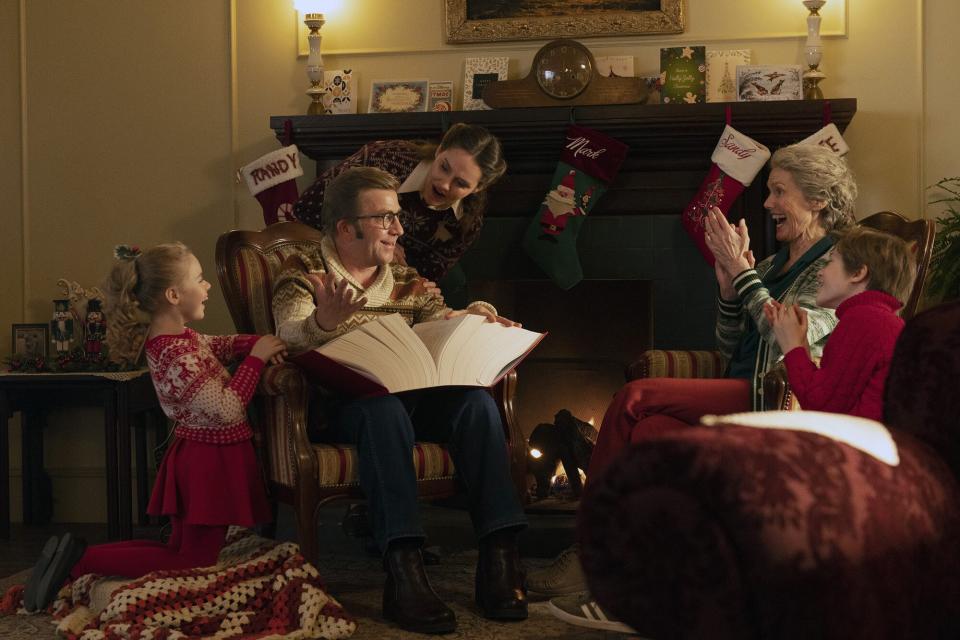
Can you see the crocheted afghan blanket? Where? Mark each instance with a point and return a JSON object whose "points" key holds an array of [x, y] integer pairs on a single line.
{"points": [[258, 589]]}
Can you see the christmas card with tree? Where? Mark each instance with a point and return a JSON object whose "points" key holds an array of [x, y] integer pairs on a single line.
{"points": [[722, 73], [683, 72], [388, 356]]}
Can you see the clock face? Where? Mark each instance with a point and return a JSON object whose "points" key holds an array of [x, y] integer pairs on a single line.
{"points": [[562, 69]]}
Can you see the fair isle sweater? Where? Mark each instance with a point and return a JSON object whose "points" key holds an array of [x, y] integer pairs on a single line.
{"points": [[434, 240], [752, 295], [855, 362], [195, 389], [396, 289]]}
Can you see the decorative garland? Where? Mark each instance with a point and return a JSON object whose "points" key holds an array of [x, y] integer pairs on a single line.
{"points": [[74, 361]]}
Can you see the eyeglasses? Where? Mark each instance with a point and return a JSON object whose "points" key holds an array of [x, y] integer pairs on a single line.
{"points": [[386, 219]]}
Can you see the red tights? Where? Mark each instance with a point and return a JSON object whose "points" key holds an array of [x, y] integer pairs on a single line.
{"points": [[656, 405], [190, 545]]}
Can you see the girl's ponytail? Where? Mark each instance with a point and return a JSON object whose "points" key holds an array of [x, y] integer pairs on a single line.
{"points": [[134, 289]]}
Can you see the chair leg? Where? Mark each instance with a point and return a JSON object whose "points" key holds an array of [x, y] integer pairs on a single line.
{"points": [[306, 513]]}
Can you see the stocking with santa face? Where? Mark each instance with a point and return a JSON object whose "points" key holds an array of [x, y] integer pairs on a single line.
{"points": [[588, 164]]}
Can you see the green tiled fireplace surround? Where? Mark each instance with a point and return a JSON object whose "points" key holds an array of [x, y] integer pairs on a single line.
{"points": [[647, 247]]}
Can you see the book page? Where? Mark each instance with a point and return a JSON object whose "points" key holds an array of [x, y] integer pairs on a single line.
{"points": [[422, 370], [471, 351], [496, 348], [385, 350], [352, 349], [445, 339]]}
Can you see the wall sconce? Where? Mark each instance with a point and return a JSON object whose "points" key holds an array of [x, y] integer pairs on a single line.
{"points": [[812, 76], [314, 19]]}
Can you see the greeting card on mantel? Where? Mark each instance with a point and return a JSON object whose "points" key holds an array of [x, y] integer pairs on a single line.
{"points": [[478, 73], [722, 73], [683, 72]]}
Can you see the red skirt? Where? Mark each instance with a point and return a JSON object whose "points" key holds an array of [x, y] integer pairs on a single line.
{"points": [[210, 484]]}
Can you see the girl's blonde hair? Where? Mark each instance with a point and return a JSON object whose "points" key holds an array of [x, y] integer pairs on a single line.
{"points": [[134, 291]]}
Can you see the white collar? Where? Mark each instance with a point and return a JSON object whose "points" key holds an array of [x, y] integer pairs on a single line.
{"points": [[378, 293], [415, 181]]}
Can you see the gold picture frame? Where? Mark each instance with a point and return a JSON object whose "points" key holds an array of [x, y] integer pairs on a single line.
{"points": [[505, 23]]}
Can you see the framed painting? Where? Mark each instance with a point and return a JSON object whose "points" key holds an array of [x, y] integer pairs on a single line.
{"points": [[31, 340], [495, 20]]}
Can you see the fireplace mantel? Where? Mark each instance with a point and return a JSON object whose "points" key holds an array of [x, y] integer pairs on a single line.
{"points": [[677, 135]]}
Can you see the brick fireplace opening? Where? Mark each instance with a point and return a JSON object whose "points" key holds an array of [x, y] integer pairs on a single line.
{"points": [[595, 330]]}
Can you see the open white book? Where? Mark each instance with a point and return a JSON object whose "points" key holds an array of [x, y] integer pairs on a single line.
{"points": [[387, 356]]}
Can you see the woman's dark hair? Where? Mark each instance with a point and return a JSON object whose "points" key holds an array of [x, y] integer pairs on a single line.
{"points": [[485, 149]]}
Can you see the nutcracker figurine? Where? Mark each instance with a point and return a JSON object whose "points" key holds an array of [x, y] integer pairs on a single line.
{"points": [[61, 326], [96, 329]]}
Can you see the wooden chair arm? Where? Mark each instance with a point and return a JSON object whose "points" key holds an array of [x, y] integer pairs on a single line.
{"points": [[282, 397], [674, 363], [504, 392], [777, 395]]}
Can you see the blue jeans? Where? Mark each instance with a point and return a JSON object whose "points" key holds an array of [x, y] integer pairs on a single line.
{"points": [[384, 430]]}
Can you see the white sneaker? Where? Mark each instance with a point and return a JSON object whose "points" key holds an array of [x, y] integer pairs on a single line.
{"points": [[563, 577], [583, 611]]}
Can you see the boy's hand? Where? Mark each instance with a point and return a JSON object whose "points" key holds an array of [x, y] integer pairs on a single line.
{"points": [[789, 324]]}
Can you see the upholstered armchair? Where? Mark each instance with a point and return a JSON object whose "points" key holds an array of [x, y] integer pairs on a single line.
{"points": [[300, 473], [730, 531], [657, 363]]}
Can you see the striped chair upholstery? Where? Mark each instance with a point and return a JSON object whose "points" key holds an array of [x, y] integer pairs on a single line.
{"points": [[674, 363], [299, 472]]}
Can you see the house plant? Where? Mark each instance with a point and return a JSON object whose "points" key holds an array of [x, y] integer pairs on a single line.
{"points": [[944, 281]]}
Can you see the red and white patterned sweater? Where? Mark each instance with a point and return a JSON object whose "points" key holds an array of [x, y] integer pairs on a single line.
{"points": [[196, 390]]}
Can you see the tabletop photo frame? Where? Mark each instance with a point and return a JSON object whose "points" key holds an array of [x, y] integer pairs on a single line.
{"points": [[31, 340]]}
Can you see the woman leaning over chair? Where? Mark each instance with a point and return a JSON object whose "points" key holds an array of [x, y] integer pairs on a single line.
{"points": [[812, 193], [442, 192]]}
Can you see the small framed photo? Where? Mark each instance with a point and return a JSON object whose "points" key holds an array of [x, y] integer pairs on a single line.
{"points": [[31, 340], [769, 82], [398, 96]]}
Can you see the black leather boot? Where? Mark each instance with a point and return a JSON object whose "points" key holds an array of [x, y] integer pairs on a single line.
{"points": [[408, 598], [500, 591]]}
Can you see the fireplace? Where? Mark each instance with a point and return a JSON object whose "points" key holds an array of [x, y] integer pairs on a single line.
{"points": [[595, 330]]}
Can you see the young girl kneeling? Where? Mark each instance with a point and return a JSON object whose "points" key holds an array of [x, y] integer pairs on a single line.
{"points": [[209, 477]]}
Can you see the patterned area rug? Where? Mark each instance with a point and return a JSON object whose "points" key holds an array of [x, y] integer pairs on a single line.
{"points": [[356, 582]]}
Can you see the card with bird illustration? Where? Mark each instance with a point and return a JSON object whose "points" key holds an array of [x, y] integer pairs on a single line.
{"points": [[769, 82]]}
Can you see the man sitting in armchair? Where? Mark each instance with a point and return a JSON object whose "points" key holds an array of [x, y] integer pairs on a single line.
{"points": [[350, 280]]}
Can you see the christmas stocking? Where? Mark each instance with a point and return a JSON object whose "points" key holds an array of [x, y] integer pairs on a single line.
{"points": [[828, 137], [588, 164], [272, 179], [736, 160]]}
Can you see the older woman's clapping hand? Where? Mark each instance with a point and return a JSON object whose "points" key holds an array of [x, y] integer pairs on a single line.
{"points": [[731, 249]]}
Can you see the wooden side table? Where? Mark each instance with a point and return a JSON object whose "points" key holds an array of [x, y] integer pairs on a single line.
{"points": [[122, 395]]}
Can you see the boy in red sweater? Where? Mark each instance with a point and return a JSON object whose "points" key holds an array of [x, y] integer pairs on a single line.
{"points": [[867, 280]]}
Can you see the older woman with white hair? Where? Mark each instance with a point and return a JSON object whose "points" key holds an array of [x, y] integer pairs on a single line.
{"points": [[812, 192]]}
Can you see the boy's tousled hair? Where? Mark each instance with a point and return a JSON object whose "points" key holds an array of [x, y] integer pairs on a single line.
{"points": [[890, 267]]}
